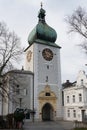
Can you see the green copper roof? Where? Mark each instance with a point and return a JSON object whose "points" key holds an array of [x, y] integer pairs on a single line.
{"points": [[42, 31], [47, 43], [45, 32]]}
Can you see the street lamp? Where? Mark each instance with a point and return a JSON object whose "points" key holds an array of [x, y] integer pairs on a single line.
{"points": [[20, 100]]}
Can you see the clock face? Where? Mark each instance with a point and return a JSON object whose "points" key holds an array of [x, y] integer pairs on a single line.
{"points": [[47, 54], [29, 55]]}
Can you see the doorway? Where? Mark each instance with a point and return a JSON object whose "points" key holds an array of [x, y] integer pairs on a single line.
{"points": [[83, 115], [47, 112]]}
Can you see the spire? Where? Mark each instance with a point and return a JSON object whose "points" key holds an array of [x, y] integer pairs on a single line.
{"points": [[41, 14], [42, 31]]}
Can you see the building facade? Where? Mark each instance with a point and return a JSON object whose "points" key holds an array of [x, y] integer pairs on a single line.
{"points": [[38, 87], [75, 98], [43, 59], [17, 91]]}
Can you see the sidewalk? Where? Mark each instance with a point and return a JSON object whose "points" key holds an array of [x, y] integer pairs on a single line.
{"points": [[67, 125]]}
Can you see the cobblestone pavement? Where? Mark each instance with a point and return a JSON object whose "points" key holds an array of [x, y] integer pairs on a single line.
{"points": [[57, 125], [50, 125]]}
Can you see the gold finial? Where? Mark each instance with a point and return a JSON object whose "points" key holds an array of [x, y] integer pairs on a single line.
{"points": [[41, 4]]}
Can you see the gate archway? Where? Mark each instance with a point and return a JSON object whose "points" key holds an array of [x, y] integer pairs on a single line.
{"points": [[47, 112]]}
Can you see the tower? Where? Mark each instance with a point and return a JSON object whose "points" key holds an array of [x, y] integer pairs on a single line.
{"points": [[43, 59]]}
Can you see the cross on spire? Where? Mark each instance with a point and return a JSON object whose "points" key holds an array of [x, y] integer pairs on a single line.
{"points": [[41, 4], [41, 14]]}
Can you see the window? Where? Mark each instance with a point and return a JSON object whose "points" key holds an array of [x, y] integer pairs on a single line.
{"points": [[47, 66], [67, 99], [68, 113], [25, 92], [74, 113], [46, 78], [18, 90], [73, 98], [81, 81], [47, 94], [80, 97], [62, 98]]}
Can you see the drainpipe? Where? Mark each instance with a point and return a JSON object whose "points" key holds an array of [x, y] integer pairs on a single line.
{"points": [[33, 100]]}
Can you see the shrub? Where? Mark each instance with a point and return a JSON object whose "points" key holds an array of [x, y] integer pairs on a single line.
{"points": [[19, 115]]}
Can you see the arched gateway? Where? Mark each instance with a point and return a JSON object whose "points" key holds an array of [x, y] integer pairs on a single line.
{"points": [[47, 104], [47, 112]]}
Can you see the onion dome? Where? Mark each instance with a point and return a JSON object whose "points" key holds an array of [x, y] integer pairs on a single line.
{"points": [[42, 30]]}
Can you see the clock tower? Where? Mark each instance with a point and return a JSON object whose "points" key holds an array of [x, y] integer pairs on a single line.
{"points": [[43, 59]]}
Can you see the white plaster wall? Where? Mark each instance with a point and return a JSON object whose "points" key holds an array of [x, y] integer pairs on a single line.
{"points": [[36, 103], [25, 81], [72, 118], [59, 105], [38, 65], [79, 88], [81, 76], [70, 92], [53, 73]]}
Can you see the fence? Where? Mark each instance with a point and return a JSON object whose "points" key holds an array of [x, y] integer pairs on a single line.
{"points": [[79, 124]]}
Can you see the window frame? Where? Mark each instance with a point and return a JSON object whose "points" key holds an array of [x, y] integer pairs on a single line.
{"points": [[68, 113], [74, 113], [80, 97], [68, 99], [73, 99]]}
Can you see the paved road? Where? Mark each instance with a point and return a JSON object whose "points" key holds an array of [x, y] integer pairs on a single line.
{"points": [[44, 126]]}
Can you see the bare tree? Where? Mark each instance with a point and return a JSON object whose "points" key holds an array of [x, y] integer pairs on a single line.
{"points": [[13, 90], [10, 49], [78, 24]]}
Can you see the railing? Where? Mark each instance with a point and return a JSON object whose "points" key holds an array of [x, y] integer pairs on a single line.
{"points": [[80, 124]]}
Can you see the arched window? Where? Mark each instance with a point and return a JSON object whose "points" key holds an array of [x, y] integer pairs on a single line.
{"points": [[68, 113], [73, 98], [67, 99], [17, 89], [80, 97], [74, 113], [81, 81]]}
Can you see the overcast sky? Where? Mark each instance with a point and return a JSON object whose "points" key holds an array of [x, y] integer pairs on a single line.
{"points": [[21, 16]]}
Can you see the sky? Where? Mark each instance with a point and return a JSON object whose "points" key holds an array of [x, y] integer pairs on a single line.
{"points": [[21, 16]]}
